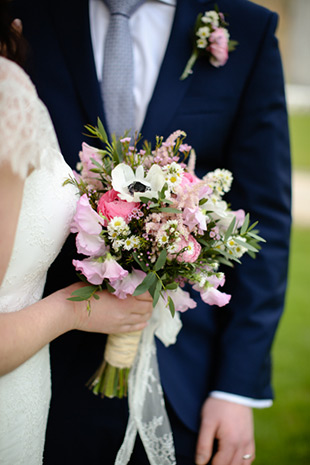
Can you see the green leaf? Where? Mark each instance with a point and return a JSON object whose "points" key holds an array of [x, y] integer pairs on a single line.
{"points": [[230, 229], [102, 131], [247, 245], [171, 306], [140, 262], [172, 286], [161, 260], [245, 224], [146, 284], [169, 210], [83, 293], [157, 292]]}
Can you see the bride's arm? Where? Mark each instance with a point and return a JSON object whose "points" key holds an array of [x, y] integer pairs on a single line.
{"points": [[25, 332]]}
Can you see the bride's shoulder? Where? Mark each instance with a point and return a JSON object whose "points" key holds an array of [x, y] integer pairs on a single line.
{"points": [[13, 76]]}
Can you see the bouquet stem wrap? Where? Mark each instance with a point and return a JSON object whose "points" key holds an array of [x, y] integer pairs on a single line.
{"points": [[111, 378], [147, 413]]}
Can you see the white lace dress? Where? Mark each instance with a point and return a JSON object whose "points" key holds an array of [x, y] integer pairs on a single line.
{"points": [[28, 140]]}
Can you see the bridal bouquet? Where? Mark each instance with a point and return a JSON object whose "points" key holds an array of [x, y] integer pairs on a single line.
{"points": [[146, 222]]}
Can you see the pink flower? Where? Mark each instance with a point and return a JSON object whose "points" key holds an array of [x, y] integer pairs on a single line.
{"points": [[188, 179], [128, 285], [110, 205], [193, 217], [193, 250], [90, 244], [181, 299], [96, 270], [86, 154], [240, 215], [85, 218], [218, 47], [212, 296]]}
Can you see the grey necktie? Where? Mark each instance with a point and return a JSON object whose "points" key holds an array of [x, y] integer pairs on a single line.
{"points": [[117, 76]]}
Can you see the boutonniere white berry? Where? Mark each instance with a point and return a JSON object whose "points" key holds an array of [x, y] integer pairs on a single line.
{"points": [[211, 38]]}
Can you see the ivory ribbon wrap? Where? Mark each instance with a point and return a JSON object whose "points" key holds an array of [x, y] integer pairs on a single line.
{"points": [[121, 349], [147, 413]]}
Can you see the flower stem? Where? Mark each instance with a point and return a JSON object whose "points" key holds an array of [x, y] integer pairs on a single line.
{"points": [[188, 68]]}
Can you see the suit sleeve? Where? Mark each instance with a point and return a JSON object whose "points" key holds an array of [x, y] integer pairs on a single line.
{"points": [[258, 154]]}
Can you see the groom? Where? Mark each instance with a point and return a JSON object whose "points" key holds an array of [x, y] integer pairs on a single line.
{"points": [[235, 118]]}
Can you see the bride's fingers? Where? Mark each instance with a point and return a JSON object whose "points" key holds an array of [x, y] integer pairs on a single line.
{"points": [[145, 297]]}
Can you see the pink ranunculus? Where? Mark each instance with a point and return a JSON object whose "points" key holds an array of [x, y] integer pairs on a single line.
{"points": [[192, 253], [218, 47], [85, 218], [212, 296], [189, 179], [97, 270], [110, 205], [127, 285]]}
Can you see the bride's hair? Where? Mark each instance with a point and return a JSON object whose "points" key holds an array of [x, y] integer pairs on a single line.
{"points": [[12, 44]]}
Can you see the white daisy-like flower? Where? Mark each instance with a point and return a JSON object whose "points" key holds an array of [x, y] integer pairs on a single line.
{"points": [[211, 17], [131, 185], [117, 226], [162, 237], [173, 175], [203, 32], [129, 243], [202, 43], [118, 244], [174, 247]]}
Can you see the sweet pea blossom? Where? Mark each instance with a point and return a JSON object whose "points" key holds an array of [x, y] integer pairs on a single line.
{"points": [[88, 224], [193, 217], [218, 47], [181, 299], [131, 186], [127, 285], [98, 269], [212, 296], [86, 154]]}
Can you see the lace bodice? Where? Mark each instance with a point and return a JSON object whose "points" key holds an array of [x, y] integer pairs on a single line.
{"points": [[28, 141]]}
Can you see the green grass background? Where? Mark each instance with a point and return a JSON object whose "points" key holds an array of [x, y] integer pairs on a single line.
{"points": [[283, 431]]}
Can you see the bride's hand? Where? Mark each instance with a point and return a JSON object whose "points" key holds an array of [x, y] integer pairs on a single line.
{"points": [[110, 314]]}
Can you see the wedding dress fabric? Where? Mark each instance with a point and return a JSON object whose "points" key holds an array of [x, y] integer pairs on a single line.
{"points": [[29, 143]]}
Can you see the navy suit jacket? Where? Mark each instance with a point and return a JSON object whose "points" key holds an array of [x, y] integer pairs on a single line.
{"points": [[235, 118]]}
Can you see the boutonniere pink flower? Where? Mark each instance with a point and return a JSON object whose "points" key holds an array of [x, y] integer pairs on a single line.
{"points": [[211, 40]]}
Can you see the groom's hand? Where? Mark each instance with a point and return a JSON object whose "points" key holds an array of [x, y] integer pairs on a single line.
{"points": [[232, 425]]}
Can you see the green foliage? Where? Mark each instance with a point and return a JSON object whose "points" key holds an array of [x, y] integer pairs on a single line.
{"points": [[282, 432], [300, 140]]}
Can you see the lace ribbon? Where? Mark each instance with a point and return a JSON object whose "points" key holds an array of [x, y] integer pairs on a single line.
{"points": [[147, 413]]}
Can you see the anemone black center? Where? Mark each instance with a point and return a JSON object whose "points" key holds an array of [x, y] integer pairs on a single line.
{"points": [[137, 186]]}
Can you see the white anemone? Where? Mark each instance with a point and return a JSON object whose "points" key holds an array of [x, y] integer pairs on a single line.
{"points": [[131, 185]]}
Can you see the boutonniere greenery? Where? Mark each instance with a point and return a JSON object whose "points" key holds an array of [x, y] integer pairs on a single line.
{"points": [[211, 39]]}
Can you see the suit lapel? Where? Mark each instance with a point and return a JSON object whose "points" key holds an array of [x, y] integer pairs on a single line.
{"points": [[72, 25], [169, 90]]}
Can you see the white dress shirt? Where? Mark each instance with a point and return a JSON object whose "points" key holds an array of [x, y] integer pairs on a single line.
{"points": [[150, 27]]}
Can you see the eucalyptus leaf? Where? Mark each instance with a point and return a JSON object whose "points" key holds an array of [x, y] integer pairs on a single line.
{"points": [[230, 229], [146, 284], [171, 306], [245, 224], [161, 260]]}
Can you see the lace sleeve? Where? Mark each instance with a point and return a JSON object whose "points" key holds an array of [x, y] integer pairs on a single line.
{"points": [[23, 117]]}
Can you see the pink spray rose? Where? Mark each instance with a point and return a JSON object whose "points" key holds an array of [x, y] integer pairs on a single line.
{"points": [[85, 155], [218, 47], [193, 250], [110, 205]]}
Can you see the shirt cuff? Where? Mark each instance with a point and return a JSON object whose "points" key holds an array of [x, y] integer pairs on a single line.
{"points": [[247, 401]]}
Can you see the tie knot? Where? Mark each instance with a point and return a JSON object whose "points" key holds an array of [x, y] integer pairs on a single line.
{"points": [[123, 7]]}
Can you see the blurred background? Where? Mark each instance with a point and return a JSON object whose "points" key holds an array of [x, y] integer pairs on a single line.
{"points": [[283, 431]]}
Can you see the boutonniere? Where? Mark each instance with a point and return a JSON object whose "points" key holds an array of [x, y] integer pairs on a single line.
{"points": [[211, 38]]}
